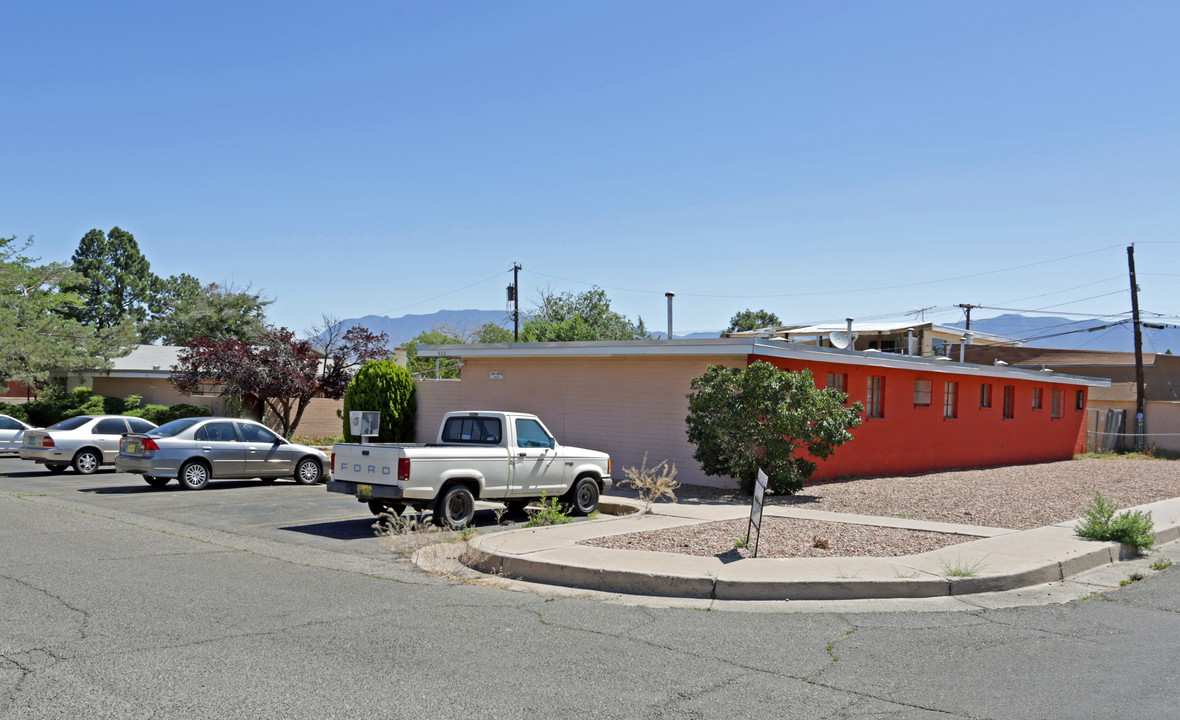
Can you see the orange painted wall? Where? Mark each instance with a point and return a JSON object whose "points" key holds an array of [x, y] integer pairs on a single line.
{"points": [[911, 439]]}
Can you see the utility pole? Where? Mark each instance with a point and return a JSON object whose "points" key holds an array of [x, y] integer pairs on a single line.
{"points": [[516, 301], [968, 307], [1140, 414]]}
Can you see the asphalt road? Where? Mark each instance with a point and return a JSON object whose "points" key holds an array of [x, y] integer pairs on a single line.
{"points": [[249, 601]]}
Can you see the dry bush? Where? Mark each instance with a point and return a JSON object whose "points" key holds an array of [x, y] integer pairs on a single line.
{"points": [[406, 533], [652, 483], [818, 542]]}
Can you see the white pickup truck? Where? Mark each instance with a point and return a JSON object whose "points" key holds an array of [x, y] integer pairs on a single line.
{"points": [[502, 456]]}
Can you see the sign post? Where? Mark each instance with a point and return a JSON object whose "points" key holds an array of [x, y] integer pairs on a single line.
{"points": [[755, 526], [364, 423]]}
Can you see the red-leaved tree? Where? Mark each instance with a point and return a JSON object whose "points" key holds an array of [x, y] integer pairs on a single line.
{"points": [[276, 372]]}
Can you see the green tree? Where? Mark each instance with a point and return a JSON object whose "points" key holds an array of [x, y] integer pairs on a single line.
{"points": [[385, 387], [37, 335], [763, 418], [183, 309], [586, 316], [442, 368], [117, 280], [748, 320], [491, 332]]}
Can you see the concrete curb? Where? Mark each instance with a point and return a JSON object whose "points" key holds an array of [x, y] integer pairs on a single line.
{"points": [[999, 560]]}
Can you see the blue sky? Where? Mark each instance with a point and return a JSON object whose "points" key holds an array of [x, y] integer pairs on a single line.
{"points": [[818, 160]]}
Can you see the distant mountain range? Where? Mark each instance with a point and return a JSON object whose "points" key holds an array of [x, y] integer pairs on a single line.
{"points": [[1044, 332], [405, 328], [1074, 334]]}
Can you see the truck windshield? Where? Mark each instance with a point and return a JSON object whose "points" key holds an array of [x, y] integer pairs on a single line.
{"points": [[481, 430]]}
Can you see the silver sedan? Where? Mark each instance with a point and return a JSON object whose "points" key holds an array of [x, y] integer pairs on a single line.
{"points": [[197, 450], [85, 442], [11, 433]]}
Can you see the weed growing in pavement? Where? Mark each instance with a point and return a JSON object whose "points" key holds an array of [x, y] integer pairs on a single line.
{"points": [[1161, 564], [549, 513], [1101, 520], [407, 532], [1132, 578], [499, 513], [466, 532], [652, 483], [962, 569]]}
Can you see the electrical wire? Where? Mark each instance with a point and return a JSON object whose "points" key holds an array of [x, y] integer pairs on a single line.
{"points": [[449, 292]]}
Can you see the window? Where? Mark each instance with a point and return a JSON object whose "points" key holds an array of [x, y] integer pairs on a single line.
{"points": [[876, 403], [1079, 401], [530, 434], [216, 432], [985, 395], [838, 381], [110, 426], [476, 430], [923, 389], [139, 425], [1058, 410], [950, 400], [9, 424], [256, 433], [1009, 398], [1037, 405]]}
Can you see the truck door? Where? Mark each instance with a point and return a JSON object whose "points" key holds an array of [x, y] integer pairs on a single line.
{"points": [[536, 467]]}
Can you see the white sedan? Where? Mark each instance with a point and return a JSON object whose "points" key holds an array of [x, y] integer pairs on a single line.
{"points": [[11, 433], [85, 442]]}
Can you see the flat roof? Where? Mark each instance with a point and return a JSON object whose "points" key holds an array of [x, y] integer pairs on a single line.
{"points": [[744, 347]]}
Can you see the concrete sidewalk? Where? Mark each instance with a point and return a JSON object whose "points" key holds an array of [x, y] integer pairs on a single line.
{"points": [[998, 560]]}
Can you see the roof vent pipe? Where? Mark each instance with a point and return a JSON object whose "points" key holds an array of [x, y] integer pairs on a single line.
{"points": [[963, 348], [669, 295]]}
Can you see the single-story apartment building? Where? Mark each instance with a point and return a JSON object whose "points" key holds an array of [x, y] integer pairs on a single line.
{"points": [[1110, 420], [629, 399]]}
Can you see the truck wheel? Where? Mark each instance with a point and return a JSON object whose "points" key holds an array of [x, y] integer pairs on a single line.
{"points": [[454, 508], [193, 475], [156, 480], [583, 496], [378, 507]]}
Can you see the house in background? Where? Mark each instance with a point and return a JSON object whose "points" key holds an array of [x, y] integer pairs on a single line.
{"points": [[629, 399], [920, 339], [1110, 422], [146, 371]]}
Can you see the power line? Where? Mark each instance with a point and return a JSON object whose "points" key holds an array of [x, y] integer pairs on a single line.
{"points": [[837, 292], [449, 292]]}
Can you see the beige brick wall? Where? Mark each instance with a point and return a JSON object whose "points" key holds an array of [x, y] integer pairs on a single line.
{"points": [[624, 406], [154, 391], [319, 419]]}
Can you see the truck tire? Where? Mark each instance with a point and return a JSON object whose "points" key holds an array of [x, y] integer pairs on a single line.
{"points": [[582, 497], [454, 508], [378, 507]]}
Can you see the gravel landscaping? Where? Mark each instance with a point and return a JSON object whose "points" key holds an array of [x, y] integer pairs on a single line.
{"points": [[1017, 497]]}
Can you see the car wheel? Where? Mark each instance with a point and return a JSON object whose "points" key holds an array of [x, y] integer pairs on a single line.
{"points": [[193, 475], [55, 468], [156, 481], [86, 461], [454, 508], [583, 496], [380, 507], [307, 472]]}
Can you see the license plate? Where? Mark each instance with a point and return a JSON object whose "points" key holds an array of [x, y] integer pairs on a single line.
{"points": [[132, 448], [364, 492], [31, 441]]}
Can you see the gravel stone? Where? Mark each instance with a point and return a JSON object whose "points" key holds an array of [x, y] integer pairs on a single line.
{"points": [[1017, 497]]}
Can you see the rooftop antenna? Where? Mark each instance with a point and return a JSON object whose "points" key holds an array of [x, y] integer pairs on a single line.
{"points": [[919, 314]]}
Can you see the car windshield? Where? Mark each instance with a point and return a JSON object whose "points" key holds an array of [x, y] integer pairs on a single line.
{"points": [[71, 423], [175, 427]]}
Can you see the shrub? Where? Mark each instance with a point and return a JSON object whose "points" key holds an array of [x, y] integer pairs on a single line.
{"points": [[549, 513], [386, 387], [17, 411], [652, 483], [1100, 522]]}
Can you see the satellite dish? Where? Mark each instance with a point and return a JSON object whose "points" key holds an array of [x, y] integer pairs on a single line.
{"points": [[840, 339]]}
